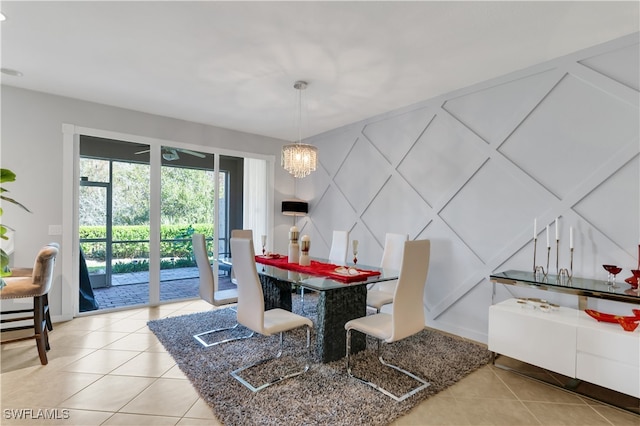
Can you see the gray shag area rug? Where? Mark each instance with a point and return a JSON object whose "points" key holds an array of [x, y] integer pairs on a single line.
{"points": [[323, 395]]}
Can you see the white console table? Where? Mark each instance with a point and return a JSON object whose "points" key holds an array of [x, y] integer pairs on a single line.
{"points": [[565, 340]]}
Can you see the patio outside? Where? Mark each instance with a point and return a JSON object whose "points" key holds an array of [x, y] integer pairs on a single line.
{"points": [[114, 228]]}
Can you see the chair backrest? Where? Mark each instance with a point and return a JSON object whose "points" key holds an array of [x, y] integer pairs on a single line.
{"points": [[408, 305], [241, 233], [393, 251], [37, 260], [339, 248], [207, 279], [250, 296], [43, 268]]}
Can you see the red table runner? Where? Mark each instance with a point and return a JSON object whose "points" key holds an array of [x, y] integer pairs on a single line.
{"points": [[317, 268]]}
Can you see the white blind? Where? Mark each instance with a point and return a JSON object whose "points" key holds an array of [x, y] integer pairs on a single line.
{"points": [[255, 199]]}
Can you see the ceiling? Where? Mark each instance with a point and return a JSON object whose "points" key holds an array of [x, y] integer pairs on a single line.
{"points": [[233, 64]]}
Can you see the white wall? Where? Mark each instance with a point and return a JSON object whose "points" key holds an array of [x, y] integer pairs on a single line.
{"points": [[32, 146], [471, 169]]}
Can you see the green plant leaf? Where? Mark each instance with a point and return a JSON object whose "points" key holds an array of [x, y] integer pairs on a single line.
{"points": [[11, 200], [7, 175], [4, 264]]}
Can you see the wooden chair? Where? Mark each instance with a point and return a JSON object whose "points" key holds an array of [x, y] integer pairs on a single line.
{"points": [[36, 286], [27, 272]]}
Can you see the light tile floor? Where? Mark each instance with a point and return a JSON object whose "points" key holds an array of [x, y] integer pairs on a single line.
{"points": [[109, 369]]}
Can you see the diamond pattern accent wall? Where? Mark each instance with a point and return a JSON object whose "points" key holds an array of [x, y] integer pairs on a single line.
{"points": [[470, 170], [570, 132]]}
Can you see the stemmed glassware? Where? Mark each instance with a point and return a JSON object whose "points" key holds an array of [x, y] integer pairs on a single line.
{"points": [[355, 252], [264, 244], [613, 270]]}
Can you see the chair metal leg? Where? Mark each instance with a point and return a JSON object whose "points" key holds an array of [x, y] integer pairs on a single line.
{"points": [[46, 312], [40, 328], [236, 373], [398, 398], [198, 336]]}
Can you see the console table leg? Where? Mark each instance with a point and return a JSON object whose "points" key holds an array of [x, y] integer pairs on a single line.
{"points": [[583, 302], [572, 384]]}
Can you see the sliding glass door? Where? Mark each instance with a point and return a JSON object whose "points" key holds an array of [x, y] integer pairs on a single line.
{"points": [[113, 217], [139, 205], [187, 206]]}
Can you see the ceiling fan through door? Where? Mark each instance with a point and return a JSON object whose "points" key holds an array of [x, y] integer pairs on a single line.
{"points": [[171, 154]]}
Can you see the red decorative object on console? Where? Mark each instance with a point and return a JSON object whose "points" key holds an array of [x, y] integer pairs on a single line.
{"points": [[629, 323], [635, 279]]}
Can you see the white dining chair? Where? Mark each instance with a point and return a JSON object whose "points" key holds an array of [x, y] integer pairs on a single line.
{"points": [[337, 255], [251, 312], [239, 233], [209, 291], [381, 294], [407, 317], [339, 248]]}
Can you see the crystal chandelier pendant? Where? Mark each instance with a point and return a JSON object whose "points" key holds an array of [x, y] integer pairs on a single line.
{"points": [[299, 159]]}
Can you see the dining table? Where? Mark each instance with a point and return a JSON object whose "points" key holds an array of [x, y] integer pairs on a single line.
{"points": [[342, 296]]}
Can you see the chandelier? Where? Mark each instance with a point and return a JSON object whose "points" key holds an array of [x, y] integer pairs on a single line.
{"points": [[299, 159]]}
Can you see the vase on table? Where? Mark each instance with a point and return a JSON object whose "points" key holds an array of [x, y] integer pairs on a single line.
{"points": [[305, 245], [294, 249]]}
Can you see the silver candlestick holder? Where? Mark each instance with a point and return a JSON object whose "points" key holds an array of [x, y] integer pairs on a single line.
{"points": [[540, 271], [557, 255], [565, 274], [571, 263]]}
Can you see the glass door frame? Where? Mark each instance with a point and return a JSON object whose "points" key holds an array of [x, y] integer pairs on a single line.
{"points": [[70, 223], [108, 240]]}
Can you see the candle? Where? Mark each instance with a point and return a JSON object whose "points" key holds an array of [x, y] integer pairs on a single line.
{"points": [[355, 246], [557, 231], [571, 237], [535, 228], [548, 243]]}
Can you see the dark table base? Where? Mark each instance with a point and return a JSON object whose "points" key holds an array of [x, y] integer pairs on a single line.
{"points": [[277, 293], [335, 308]]}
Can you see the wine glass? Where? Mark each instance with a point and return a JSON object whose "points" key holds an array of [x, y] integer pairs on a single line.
{"points": [[264, 243], [613, 270], [355, 252]]}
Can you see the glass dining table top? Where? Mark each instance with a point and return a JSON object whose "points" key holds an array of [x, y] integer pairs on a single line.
{"points": [[318, 283], [576, 285]]}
